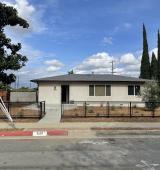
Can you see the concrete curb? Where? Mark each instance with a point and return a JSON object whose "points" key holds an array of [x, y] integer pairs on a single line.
{"points": [[34, 133]]}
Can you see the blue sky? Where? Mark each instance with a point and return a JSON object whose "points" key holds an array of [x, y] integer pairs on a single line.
{"points": [[83, 35]]}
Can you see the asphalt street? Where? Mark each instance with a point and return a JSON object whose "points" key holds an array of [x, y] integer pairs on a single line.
{"points": [[81, 154]]}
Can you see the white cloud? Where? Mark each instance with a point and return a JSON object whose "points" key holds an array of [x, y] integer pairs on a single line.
{"points": [[30, 52], [53, 68], [98, 63], [126, 64], [54, 62], [108, 40], [129, 59], [23, 72], [53, 65], [26, 73], [37, 67]]}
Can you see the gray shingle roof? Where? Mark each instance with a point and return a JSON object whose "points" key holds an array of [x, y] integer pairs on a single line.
{"points": [[89, 78]]}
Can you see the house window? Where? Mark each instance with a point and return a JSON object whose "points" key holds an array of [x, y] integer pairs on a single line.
{"points": [[91, 90], [133, 90], [130, 90], [99, 90], [108, 90]]}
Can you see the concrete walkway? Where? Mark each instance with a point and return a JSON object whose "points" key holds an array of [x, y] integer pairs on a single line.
{"points": [[53, 114], [87, 130], [83, 125]]}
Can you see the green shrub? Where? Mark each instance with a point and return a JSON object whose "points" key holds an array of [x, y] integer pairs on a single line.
{"points": [[151, 95]]}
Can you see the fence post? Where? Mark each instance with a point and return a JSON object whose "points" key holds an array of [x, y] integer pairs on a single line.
{"points": [[85, 109], [44, 107], [130, 109], [153, 110], [61, 110], [41, 112], [108, 108]]}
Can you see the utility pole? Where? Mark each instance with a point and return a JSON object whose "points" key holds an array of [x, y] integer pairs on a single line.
{"points": [[112, 62], [17, 81], [30, 85]]}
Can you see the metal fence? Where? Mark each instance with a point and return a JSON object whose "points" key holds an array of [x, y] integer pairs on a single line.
{"points": [[110, 109], [24, 110]]}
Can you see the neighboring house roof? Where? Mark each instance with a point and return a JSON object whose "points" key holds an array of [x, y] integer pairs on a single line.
{"points": [[89, 78]]}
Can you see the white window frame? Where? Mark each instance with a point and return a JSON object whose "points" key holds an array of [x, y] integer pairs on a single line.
{"points": [[134, 85]]}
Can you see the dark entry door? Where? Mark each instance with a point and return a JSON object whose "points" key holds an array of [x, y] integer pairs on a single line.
{"points": [[65, 93]]}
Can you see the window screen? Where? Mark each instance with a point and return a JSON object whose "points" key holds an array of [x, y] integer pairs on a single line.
{"points": [[91, 90], [137, 90], [108, 90], [130, 90], [99, 90]]}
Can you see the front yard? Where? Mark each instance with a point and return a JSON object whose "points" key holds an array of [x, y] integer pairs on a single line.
{"points": [[22, 112], [105, 113]]}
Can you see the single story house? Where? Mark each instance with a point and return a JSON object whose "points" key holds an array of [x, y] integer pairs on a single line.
{"points": [[88, 87]]}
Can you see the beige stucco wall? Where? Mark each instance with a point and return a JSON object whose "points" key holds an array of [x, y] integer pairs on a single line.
{"points": [[118, 93], [51, 93]]}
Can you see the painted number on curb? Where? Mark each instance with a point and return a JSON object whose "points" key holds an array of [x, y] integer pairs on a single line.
{"points": [[39, 133]]}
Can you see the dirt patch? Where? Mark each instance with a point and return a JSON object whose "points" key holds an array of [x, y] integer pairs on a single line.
{"points": [[26, 120], [22, 112], [114, 111]]}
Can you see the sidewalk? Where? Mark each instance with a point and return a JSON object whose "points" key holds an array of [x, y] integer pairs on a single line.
{"points": [[83, 125], [80, 130]]}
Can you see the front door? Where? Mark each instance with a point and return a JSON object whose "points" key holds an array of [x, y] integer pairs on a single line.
{"points": [[65, 93]]}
